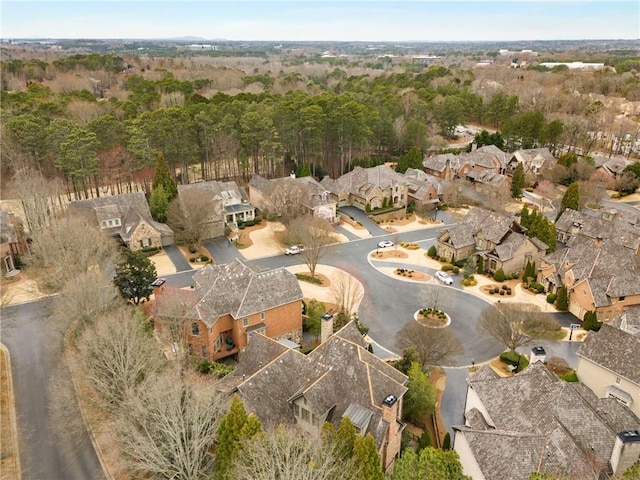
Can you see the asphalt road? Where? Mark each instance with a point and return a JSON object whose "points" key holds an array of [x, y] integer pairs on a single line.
{"points": [[53, 441]]}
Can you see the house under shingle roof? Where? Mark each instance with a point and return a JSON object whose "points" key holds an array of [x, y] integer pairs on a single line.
{"points": [[566, 429], [340, 377], [240, 290], [614, 349], [493, 225], [360, 181], [438, 163]]}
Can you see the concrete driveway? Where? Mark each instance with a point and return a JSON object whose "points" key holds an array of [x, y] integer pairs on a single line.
{"points": [[221, 250]]}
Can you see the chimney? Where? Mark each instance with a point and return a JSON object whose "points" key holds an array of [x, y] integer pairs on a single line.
{"points": [[538, 354], [326, 326], [390, 409], [626, 451]]}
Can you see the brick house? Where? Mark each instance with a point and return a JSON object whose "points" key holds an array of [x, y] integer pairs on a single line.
{"points": [[609, 360], [338, 378], [535, 422], [228, 302], [495, 237], [423, 189], [127, 216], [291, 196], [600, 264], [369, 186]]}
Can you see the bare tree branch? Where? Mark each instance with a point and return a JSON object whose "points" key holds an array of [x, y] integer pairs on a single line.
{"points": [[434, 345], [506, 323], [315, 234]]}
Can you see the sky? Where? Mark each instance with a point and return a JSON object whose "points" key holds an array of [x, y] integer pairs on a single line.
{"points": [[359, 20]]}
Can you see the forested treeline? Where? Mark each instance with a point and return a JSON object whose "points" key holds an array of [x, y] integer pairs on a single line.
{"points": [[325, 124]]}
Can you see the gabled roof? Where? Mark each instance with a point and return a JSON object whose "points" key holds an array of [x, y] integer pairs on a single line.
{"points": [[313, 193], [228, 192], [565, 426], [629, 320], [339, 376], [494, 227], [363, 180], [614, 349], [487, 177], [119, 205], [239, 289], [437, 163], [531, 157], [513, 242], [503, 157], [420, 182]]}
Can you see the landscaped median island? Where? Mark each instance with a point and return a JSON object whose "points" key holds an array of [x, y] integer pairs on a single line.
{"points": [[432, 318]]}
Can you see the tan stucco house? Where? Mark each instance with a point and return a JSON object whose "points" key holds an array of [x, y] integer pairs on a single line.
{"points": [[609, 360]]}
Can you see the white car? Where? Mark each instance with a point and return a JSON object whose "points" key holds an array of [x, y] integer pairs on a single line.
{"points": [[385, 244], [444, 277], [293, 250]]}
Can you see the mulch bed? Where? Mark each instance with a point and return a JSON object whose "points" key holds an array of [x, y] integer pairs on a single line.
{"points": [[412, 275], [244, 236], [382, 254], [323, 278], [431, 321]]}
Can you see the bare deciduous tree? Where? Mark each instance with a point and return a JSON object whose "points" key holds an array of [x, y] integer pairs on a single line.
{"points": [[506, 322], [38, 196], [347, 293], [169, 428], [84, 299], [291, 454], [69, 246], [118, 354], [191, 216], [315, 234], [434, 345]]}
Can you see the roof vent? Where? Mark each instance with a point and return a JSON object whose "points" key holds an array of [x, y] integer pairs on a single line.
{"points": [[389, 400]]}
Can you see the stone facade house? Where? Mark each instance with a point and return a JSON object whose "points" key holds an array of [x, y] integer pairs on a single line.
{"points": [[609, 360], [446, 166], [495, 237], [611, 167], [227, 303], [227, 203], [291, 196], [338, 378], [127, 216], [369, 186], [600, 264], [535, 422]]}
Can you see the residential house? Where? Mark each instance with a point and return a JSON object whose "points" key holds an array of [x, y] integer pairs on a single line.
{"points": [[535, 422], [609, 360], [13, 242], [600, 264], [227, 203], [422, 188], [362, 187], [533, 161], [495, 237], [338, 378], [446, 166], [489, 182], [127, 216], [292, 196], [611, 167], [228, 302], [502, 158]]}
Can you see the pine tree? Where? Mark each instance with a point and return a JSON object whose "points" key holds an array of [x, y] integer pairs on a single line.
{"points": [[517, 181], [570, 199], [562, 302], [367, 458], [480, 265], [235, 427], [159, 204], [524, 216], [446, 444], [163, 177], [420, 399], [425, 440]]}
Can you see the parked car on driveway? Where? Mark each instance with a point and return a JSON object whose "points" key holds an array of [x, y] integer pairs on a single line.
{"points": [[294, 250], [444, 277], [385, 244]]}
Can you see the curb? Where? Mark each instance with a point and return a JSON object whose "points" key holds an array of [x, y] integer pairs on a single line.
{"points": [[12, 412]]}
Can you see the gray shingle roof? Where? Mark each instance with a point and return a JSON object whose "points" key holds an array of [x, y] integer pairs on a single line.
{"points": [[437, 163], [240, 290], [360, 181], [312, 192], [614, 349], [578, 429], [493, 225], [334, 376]]}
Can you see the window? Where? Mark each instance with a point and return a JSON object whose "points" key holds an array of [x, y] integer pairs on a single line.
{"points": [[622, 298], [190, 349], [203, 351], [245, 322], [306, 415], [262, 315], [194, 329], [145, 242], [217, 343], [618, 380], [296, 410]]}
